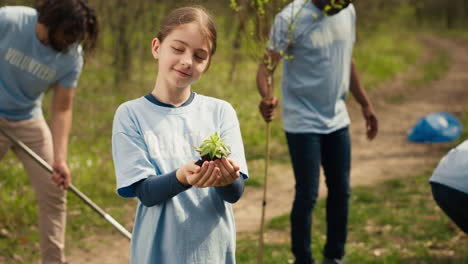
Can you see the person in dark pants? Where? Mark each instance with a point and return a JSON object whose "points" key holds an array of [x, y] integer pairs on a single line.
{"points": [[317, 38], [449, 184]]}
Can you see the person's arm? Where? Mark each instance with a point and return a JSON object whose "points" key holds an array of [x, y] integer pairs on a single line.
{"points": [[62, 104], [265, 85], [232, 193], [231, 184], [158, 188], [361, 97]]}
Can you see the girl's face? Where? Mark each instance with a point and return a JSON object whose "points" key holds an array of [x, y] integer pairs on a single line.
{"points": [[183, 56]]}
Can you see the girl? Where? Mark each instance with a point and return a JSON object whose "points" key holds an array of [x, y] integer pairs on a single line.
{"points": [[184, 213]]}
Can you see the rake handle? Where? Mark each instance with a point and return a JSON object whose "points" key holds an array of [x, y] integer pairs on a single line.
{"points": [[71, 188]]}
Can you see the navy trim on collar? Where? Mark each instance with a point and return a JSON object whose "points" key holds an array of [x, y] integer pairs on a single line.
{"points": [[155, 101]]}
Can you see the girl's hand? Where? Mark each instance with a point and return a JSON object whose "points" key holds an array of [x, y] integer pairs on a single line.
{"points": [[186, 170], [229, 171], [207, 176]]}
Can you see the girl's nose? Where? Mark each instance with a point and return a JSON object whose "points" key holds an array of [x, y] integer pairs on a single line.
{"points": [[187, 61]]}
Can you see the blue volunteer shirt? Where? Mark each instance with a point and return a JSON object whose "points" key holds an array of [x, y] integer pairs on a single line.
{"points": [[452, 170], [196, 225], [28, 67], [316, 66]]}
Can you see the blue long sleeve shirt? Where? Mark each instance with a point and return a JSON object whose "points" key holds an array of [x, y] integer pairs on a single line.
{"points": [[157, 189]]}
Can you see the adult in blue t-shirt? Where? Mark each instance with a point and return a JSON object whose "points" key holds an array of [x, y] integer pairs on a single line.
{"points": [[316, 38], [449, 184], [40, 48]]}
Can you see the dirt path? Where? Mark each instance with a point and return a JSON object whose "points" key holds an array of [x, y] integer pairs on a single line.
{"points": [[388, 156]]}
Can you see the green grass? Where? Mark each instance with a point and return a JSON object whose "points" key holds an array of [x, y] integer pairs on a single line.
{"points": [[18, 230], [385, 48], [464, 121], [432, 70], [395, 222], [453, 33], [381, 56]]}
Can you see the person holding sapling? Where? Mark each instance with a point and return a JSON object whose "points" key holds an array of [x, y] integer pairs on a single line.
{"points": [[184, 213], [316, 38]]}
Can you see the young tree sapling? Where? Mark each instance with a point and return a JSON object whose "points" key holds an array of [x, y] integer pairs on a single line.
{"points": [[212, 148]]}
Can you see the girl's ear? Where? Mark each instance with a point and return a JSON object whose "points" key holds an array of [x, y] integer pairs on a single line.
{"points": [[155, 48]]}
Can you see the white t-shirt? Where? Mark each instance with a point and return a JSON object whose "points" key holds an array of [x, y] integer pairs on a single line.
{"points": [[452, 170], [316, 66]]}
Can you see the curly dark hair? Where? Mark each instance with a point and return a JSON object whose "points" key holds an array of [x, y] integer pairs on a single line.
{"points": [[74, 19]]}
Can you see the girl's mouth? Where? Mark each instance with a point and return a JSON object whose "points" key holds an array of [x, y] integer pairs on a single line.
{"points": [[182, 73]]}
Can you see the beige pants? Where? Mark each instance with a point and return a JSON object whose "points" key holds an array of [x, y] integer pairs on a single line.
{"points": [[51, 199]]}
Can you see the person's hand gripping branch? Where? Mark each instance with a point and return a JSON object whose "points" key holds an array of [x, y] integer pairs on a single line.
{"points": [[267, 108], [265, 85]]}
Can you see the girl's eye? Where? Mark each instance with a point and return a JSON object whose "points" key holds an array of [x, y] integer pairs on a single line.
{"points": [[177, 50], [200, 56]]}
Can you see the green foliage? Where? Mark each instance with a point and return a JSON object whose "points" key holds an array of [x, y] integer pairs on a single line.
{"points": [[457, 33], [255, 19], [432, 70], [214, 147], [436, 68], [464, 120], [386, 47], [273, 253], [279, 222], [18, 225]]}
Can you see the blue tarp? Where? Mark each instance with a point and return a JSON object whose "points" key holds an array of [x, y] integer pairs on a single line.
{"points": [[435, 127]]}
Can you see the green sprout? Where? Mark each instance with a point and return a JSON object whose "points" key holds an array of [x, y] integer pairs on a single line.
{"points": [[213, 148]]}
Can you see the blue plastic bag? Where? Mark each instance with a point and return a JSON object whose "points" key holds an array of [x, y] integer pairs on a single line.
{"points": [[435, 127]]}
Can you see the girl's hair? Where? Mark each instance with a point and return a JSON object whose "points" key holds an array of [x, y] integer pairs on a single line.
{"points": [[75, 17], [186, 15]]}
